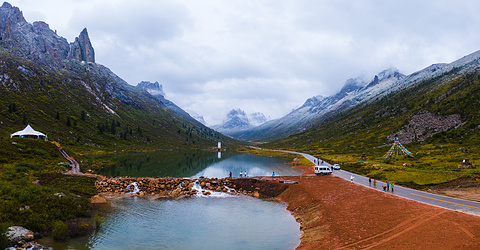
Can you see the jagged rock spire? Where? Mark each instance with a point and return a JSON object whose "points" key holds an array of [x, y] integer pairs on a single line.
{"points": [[82, 48], [38, 42]]}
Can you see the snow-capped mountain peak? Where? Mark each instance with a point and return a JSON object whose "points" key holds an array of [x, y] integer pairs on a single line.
{"points": [[257, 118], [237, 120], [236, 112], [154, 88]]}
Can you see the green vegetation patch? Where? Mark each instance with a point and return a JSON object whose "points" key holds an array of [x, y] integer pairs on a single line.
{"points": [[79, 185]]}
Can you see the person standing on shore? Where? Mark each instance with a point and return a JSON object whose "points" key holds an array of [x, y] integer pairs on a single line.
{"points": [[351, 178], [388, 186], [375, 183], [230, 175], [392, 186], [245, 173], [369, 181], [273, 175], [240, 174]]}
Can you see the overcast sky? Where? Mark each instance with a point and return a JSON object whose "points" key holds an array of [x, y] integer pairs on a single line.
{"points": [[261, 56]]}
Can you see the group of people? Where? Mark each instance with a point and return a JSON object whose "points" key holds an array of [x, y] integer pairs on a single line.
{"points": [[242, 174], [317, 161], [389, 185]]}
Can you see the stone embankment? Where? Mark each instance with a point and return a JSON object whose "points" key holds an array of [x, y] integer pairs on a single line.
{"points": [[187, 187]]}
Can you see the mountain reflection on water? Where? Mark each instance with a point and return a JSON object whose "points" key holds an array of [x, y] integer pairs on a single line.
{"points": [[195, 164]]}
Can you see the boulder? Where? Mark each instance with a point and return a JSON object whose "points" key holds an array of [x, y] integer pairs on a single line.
{"points": [[96, 199], [18, 233]]}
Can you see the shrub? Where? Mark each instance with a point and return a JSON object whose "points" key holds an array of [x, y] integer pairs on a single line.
{"points": [[23, 167], [59, 230], [34, 222], [78, 227], [4, 242], [98, 220]]}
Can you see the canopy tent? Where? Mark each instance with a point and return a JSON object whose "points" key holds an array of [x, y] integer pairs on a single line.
{"points": [[29, 132], [397, 149]]}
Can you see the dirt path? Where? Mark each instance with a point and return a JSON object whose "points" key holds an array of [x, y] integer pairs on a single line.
{"points": [[75, 165], [337, 214]]}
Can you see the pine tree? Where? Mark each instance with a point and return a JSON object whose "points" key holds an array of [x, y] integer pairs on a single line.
{"points": [[112, 128]]}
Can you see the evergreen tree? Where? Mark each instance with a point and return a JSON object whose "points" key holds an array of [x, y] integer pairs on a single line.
{"points": [[12, 108], [113, 127]]}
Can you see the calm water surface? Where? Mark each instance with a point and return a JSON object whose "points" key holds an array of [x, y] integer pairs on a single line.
{"points": [[230, 222], [197, 163], [225, 222]]}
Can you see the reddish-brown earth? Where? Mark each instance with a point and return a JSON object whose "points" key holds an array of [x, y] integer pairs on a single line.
{"points": [[337, 214]]}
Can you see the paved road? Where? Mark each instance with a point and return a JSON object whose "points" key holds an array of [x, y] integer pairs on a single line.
{"points": [[466, 206]]}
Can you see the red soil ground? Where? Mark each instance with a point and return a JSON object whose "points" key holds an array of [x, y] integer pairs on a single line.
{"points": [[337, 214]]}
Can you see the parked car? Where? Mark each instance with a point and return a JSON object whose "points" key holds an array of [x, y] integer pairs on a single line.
{"points": [[320, 170], [336, 167]]}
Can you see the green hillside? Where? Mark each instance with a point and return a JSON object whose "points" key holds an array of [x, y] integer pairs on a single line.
{"points": [[438, 120], [87, 105]]}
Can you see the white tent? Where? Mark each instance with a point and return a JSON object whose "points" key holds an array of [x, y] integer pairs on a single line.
{"points": [[29, 132]]}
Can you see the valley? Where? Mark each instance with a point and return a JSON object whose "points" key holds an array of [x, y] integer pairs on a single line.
{"points": [[134, 132]]}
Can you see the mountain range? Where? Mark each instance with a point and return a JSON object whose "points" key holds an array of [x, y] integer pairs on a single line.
{"points": [[355, 92], [59, 89], [437, 105], [237, 122]]}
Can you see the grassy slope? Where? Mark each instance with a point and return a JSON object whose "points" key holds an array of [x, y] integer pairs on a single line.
{"points": [[364, 129], [59, 104], [31, 194]]}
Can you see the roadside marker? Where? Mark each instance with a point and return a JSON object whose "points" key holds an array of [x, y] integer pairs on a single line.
{"points": [[445, 201]]}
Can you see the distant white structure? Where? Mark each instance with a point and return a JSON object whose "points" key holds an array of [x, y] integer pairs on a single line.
{"points": [[219, 145], [29, 132]]}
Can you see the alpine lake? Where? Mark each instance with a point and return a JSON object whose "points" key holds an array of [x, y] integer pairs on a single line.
{"points": [[220, 221]]}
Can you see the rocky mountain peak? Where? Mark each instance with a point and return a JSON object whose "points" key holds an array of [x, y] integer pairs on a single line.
{"points": [[154, 88], [389, 73], [314, 101], [37, 42], [9, 16], [237, 120], [236, 112], [257, 118], [82, 48], [351, 85]]}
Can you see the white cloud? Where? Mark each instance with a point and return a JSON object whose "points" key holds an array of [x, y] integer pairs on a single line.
{"points": [[261, 55]]}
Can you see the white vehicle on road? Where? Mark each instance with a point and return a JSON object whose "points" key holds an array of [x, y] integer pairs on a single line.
{"points": [[336, 167], [322, 170]]}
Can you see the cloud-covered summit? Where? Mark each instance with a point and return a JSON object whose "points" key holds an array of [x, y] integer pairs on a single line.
{"points": [[266, 56]]}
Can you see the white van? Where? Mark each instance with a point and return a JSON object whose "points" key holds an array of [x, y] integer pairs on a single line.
{"points": [[322, 170]]}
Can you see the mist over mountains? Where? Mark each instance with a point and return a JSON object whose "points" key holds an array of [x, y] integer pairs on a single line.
{"points": [[238, 121], [52, 81], [58, 88], [355, 92]]}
